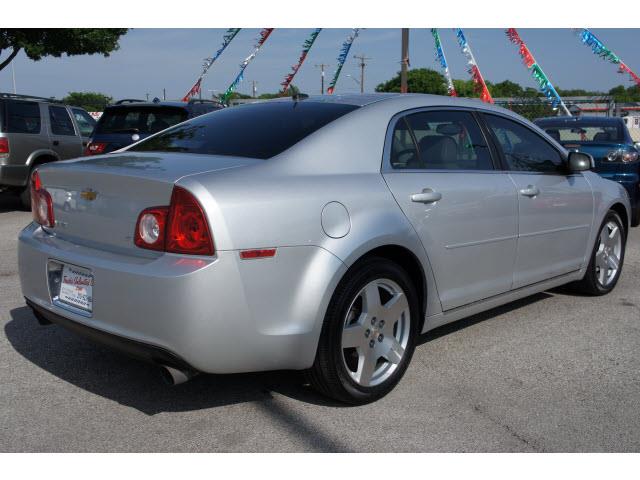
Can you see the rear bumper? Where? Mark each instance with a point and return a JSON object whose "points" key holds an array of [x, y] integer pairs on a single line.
{"points": [[14, 175], [216, 314], [133, 348]]}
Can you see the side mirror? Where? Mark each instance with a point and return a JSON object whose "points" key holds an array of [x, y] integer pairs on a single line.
{"points": [[580, 162]]}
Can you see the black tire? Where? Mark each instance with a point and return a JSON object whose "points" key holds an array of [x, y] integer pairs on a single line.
{"points": [[25, 198], [590, 285], [329, 374]]}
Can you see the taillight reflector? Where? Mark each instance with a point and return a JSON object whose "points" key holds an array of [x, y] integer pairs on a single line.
{"points": [[263, 253], [4, 146], [95, 148], [41, 202]]}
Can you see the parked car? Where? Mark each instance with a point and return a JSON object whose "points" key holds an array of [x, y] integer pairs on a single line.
{"points": [[608, 140], [323, 234], [34, 131], [131, 120]]}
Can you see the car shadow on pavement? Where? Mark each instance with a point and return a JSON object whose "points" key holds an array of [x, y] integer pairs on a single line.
{"points": [[138, 385]]}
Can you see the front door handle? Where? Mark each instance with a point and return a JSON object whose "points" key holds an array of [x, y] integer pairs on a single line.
{"points": [[56, 143], [530, 191], [426, 196]]}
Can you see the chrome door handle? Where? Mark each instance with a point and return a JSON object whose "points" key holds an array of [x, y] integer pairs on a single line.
{"points": [[530, 191], [427, 196]]}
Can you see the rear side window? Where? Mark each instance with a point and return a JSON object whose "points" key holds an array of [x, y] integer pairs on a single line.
{"points": [[446, 140], [139, 119], [22, 117], [523, 149], [85, 121], [60, 120], [585, 132], [260, 130]]}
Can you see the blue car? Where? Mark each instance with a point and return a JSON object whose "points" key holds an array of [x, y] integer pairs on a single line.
{"points": [[608, 141], [130, 120]]}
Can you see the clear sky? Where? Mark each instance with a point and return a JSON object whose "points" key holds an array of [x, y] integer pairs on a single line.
{"points": [[152, 59]]}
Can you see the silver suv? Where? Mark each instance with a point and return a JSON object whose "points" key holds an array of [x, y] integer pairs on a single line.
{"points": [[33, 131]]}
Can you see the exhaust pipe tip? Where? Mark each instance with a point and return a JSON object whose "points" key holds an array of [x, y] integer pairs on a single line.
{"points": [[172, 376]]}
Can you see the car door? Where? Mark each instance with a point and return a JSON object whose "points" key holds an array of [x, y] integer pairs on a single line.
{"points": [[555, 207], [441, 171], [65, 141]]}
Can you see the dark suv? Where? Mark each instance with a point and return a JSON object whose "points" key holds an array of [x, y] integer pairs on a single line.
{"points": [[36, 130], [129, 120]]}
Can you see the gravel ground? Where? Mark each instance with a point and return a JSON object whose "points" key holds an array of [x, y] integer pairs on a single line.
{"points": [[554, 372]]}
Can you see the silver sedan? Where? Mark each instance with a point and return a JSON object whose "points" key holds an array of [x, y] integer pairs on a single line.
{"points": [[322, 234]]}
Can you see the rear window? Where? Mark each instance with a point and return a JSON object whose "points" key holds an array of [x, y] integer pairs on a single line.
{"points": [[584, 132], [260, 130], [21, 117], [145, 120]]}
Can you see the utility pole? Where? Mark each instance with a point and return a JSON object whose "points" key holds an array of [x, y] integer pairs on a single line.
{"points": [[13, 74], [404, 62], [362, 59], [254, 88], [322, 66], [164, 94], [147, 96]]}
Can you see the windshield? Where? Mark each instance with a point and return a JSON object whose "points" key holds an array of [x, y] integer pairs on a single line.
{"points": [[259, 130], [585, 132], [143, 120]]}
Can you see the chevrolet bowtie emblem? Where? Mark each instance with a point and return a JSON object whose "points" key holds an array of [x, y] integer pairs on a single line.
{"points": [[89, 195]]}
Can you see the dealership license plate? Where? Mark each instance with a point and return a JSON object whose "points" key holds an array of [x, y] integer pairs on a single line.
{"points": [[76, 288]]}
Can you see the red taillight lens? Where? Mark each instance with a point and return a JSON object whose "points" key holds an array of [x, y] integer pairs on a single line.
{"points": [[95, 148], [4, 146], [41, 203], [150, 228], [187, 227], [180, 228]]}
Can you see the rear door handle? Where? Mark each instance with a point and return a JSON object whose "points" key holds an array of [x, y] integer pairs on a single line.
{"points": [[427, 196], [530, 191], [56, 143]]}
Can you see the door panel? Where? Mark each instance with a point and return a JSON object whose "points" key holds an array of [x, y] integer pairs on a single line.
{"points": [[470, 234], [65, 141], [554, 226]]}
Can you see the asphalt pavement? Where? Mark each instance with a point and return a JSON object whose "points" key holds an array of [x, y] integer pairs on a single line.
{"points": [[553, 372]]}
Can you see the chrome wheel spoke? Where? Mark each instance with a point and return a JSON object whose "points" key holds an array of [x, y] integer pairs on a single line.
{"points": [[366, 367], [613, 262], [354, 337], [395, 351], [613, 237], [372, 299], [394, 308]]}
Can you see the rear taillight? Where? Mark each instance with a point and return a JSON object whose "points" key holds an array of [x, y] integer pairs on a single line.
{"points": [[95, 148], [179, 228], [41, 202], [4, 147]]}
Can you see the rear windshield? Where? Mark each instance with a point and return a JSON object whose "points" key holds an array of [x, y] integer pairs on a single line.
{"points": [[260, 130], [145, 120], [585, 132]]}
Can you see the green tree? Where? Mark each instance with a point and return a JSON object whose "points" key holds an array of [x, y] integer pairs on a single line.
{"points": [[623, 95], [419, 80], [506, 88], [90, 101], [42, 42]]}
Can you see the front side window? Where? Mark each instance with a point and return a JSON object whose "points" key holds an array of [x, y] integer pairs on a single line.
{"points": [[445, 141], [22, 117], [60, 120], [85, 122], [523, 149]]}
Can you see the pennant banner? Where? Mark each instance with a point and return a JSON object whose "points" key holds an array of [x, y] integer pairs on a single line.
{"points": [[536, 72], [344, 51], [306, 46], [472, 67], [264, 34], [443, 63], [196, 89], [603, 52]]}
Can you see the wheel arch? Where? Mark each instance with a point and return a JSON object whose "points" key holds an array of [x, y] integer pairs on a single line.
{"points": [[621, 210], [38, 157]]}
